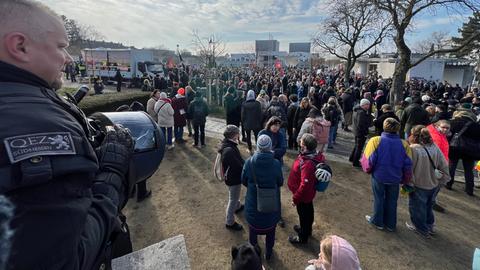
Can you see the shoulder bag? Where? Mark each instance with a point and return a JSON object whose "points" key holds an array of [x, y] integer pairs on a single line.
{"points": [[467, 147], [267, 198], [438, 173]]}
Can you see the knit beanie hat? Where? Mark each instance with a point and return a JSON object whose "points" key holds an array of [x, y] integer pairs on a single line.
{"points": [[409, 100], [344, 256], [264, 143], [163, 95], [250, 95], [364, 101]]}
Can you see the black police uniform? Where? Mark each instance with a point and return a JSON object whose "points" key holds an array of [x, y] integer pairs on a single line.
{"points": [[66, 201]]}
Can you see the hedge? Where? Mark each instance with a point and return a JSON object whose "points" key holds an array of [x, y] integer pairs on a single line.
{"points": [[108, 102]]}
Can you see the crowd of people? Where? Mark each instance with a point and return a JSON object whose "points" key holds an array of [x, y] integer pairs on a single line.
{"points": [[408, 144], [62, 194]]}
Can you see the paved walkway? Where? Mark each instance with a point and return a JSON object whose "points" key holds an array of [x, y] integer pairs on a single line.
{"points": [[215, 126]]}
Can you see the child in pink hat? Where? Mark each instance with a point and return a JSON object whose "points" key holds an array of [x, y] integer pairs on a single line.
{"points": [[335, 254]]}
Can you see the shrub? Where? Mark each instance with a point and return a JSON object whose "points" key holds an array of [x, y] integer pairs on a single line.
{"points": [[109, 101]]}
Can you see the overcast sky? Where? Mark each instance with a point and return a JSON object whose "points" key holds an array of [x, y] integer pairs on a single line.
{"points": [[147, 23]]}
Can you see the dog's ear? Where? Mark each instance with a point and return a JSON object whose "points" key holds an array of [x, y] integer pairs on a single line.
{"points": [[234, 252]]}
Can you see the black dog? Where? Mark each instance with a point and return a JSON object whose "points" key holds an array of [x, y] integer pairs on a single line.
{"points": [[246, 257]]}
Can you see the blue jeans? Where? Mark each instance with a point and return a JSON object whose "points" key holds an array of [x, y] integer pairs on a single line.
{"points": [[332, 135], [385, 198], [420, 205], [178, 133], [167, 132]]}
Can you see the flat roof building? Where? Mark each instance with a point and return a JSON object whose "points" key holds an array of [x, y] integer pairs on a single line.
{"points": [[299, 47], [270, 45]]}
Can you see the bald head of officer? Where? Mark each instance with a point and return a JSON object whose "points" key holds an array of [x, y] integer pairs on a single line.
{"points": [[33, 38]]}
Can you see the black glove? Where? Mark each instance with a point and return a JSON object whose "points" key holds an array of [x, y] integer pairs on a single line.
{"points": [[114, 159], [115, 152]]}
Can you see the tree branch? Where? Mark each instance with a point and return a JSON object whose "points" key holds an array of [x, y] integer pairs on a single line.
{"points": [[452, 50]]}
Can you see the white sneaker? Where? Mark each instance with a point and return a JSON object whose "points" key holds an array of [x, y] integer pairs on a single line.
{"points": [[369, 218]]}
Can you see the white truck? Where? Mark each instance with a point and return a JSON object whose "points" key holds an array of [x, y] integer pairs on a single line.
{"points": [[132, 63]]}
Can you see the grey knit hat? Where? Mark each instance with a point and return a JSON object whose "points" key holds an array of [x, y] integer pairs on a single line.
{"points": [[264, 143]]}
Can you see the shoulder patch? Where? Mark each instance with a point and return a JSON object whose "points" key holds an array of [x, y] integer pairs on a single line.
{"points": [[39, 144]]}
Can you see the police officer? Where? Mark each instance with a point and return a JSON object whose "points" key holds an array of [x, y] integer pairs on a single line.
{"points": [[66, 194]]}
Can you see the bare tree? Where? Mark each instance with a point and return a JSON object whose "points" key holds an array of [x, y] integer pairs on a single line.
{"points": [[208, 48], [350, 30], [436, 41], [402, 12]]}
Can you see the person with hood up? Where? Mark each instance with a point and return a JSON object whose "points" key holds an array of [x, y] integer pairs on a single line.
{"points": [[264, 170], [461, 118], [232, 165], [163, 109], [336, 253], [251, 118], [317, 126], [362, 120], [179, 104], [301, 183], [198, 112]]}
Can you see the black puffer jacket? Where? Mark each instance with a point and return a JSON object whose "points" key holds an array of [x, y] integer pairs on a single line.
{"points": [[361, 122], [232, 162], [456, 125]]}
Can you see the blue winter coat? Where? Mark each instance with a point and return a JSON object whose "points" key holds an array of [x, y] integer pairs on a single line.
{"points": [[268, 172]]}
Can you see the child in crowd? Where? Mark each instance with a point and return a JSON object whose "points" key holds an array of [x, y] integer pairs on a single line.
{"points": [[336, 253]]}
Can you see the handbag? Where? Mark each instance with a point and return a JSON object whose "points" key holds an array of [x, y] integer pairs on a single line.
{"points": [[467, 147], [267, 198], [438, 173]]}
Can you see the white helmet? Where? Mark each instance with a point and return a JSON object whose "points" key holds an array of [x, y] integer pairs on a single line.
{"points": [[323, 172]]}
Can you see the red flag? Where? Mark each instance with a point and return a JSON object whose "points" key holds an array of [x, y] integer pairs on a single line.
{"points": [[278, 64], [170, 63]]}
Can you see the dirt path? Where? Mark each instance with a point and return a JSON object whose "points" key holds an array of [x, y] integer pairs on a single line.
{"points": [[188, 200]]}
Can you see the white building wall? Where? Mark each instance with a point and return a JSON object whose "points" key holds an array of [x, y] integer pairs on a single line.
{"points": [[386, 69], [430, 69], [454, 76]]}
